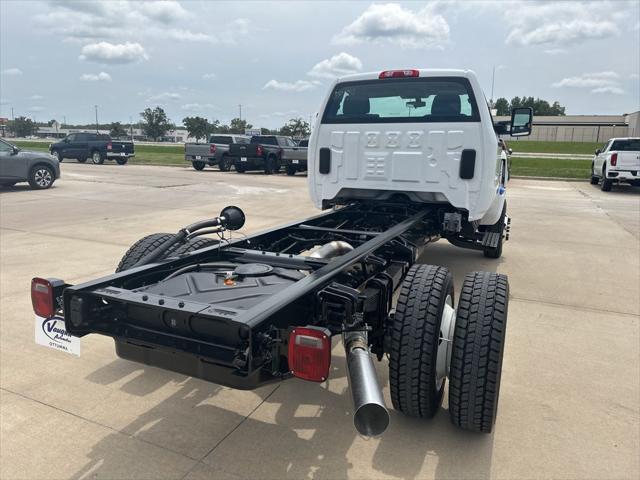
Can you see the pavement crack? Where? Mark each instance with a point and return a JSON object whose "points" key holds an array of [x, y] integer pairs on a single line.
{"points": [[80, 417], [576, 307], [201, 461]]}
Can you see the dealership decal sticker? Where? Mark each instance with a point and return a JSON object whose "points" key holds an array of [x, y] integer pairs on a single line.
{"points": [[51, 333]]}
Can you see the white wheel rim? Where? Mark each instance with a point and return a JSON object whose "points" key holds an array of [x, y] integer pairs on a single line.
{"points": [[445, 342], [42, 177], [96, 158]]}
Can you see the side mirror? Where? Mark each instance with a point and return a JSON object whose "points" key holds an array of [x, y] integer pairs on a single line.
{"points": [[510, 151], [521, 120], [598, 151], [14, 150]]}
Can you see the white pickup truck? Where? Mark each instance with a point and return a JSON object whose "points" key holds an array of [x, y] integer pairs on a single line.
{"points": [[617, 161], [426, 136]]}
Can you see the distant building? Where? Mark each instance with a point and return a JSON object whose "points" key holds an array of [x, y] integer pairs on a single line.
{"points": [[581, 128]]}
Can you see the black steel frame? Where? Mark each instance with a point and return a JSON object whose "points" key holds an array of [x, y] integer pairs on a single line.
{"points": [[247, 348]]}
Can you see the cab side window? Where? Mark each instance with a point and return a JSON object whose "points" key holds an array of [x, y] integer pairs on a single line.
{"points": [[5, 148]]}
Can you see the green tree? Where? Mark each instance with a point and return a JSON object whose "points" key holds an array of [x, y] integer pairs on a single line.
{"points": [[296, 127], [539, 106], [116, 130], [197, 127], [22, 127], [155, 122], [238, 126], [502, 106]]}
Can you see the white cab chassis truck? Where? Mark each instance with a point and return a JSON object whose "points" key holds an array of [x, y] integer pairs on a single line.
{"points": [[406, 156], [423, 135]]}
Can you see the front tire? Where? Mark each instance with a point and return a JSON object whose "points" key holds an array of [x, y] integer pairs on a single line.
{"points": [[477, 351], [225, 164], [97, 158], [417, 386], [82, 160], [496, 252], [594, 178], [41, 177], [199, 165], [291, 170], [270, 165], [122, 161]]}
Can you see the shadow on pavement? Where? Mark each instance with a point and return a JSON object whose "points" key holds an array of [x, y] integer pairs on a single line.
{"points": [[299, 429]]}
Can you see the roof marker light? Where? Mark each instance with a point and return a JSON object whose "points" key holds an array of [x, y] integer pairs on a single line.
{"points": [[399, 74]]}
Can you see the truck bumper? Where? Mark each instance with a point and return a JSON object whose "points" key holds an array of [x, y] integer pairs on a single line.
{"points": [[624, 175], [301, 165], [115, 156], [207, 160], [250, 163]]}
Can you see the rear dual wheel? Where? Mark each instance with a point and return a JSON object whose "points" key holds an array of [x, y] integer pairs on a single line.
{"points": [[431, 341]]}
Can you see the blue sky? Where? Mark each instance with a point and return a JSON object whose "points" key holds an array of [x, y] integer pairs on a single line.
{"points": [[60, 58]]}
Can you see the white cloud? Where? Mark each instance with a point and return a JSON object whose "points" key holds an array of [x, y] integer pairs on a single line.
{"points": [[209, 76], [589, 80], [163, 11], [392, 23], [198, 107], [336, 66], [36, 109], [614, 90], [36, 97], [12, 71], [559, 23], [165, 96], [598, 82], [189, 36], [297, 86], [105, 52], [95, 77]]}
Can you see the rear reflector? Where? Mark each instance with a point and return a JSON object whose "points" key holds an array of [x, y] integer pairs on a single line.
{"points": [[310, 353], [614, 159], [212, 149], [42, 297], [399, 74]]}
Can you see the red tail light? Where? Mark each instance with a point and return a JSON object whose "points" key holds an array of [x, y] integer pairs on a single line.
{"points": [[42, 297], [398, 74], [212, 149], [259, 150], [614, 159], [109, 146], [310, 353]]}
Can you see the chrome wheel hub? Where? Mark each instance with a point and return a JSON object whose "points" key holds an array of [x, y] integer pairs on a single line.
{"points": [[43, 177], [445, 343]]}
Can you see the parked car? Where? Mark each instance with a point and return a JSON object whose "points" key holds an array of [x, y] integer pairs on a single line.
{"points": [[96, 146], [617, 161], [265, 152], [216, 152], [38, 168], [298, 164]]}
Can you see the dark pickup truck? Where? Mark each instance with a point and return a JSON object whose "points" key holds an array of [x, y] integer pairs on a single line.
{"points": [[96, 146], [265, 152]]}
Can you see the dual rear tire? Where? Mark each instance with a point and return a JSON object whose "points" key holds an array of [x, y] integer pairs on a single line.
{"points": [[429, 345]]}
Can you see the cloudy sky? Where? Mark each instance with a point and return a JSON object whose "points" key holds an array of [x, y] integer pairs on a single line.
{"points": [[60, 58]]}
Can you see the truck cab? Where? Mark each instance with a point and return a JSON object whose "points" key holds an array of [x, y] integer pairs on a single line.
{"points": [[426, 135]]}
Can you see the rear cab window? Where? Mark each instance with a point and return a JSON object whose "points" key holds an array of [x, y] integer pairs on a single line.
{"points": [[627, 145], [222, 140], [402, 100]]}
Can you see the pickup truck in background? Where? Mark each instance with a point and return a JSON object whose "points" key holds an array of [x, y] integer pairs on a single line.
{"points": [[96, 146], [617, 161], [265, 152], [299, 163], [216, 152]]}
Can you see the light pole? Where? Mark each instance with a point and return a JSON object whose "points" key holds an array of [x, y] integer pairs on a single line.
{"points": [[96, 107], [240, 110]]}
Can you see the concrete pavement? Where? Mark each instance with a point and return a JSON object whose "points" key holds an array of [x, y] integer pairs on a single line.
{"points": [[569, 404]]}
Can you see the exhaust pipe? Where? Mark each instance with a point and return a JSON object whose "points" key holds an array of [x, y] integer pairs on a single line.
{"points": [[370, 416]]}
